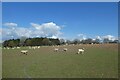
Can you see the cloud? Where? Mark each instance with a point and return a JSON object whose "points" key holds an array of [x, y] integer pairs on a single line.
{"points": [[54, 37], [35, 30], [98, 37], [110, 37], [82, 36], [101, 38], [10, 24], [48, 29]]}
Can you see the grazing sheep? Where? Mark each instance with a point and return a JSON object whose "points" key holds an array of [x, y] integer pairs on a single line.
{"points": [[33, 47], [13, 48], [65, 49], [8, 48], [38, 47], [81, 50], [18, 47], [4, 48], [56, 49], [29, 47], [24, 51]]}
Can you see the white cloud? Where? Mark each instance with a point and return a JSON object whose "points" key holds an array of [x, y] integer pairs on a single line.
{"points": [[51, 30], [54, 37], [36, 26], [110, 37], [98, 37], [10, 24], [36, 30], [48, 29], [82, 36]]}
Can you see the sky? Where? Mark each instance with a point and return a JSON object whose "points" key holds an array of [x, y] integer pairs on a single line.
{"points": [[67, 20], [60, 0]]}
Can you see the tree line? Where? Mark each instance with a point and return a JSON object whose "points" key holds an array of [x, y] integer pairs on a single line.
{"points": [[50, 41], [88, 41], [31, 42]]}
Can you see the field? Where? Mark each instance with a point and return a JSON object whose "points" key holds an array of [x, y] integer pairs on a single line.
{"points": [[98, 61]]}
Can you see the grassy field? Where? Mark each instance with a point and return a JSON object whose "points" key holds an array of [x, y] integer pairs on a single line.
{"points": [[99, 61], [0, 64]]}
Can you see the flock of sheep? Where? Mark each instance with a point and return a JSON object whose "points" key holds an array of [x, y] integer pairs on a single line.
{"points": [[57, 49], [79, 51]]}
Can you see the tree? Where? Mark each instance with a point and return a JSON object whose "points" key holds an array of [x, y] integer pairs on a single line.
{"points": [[62, 41], [11, 43], [28, 42], [5, 43], [17, 42], [31, 42], [76, 41], [116, 41], [22, 40], [68, 41], [83, 42], [88, 41], [106, 40], [97, 41], [45, 41], [55, 41]]}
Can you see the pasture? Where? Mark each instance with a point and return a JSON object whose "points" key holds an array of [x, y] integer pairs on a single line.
{"points": [[98, 61]]}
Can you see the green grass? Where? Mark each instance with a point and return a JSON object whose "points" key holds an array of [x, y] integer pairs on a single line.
{"points": [[0, 63], [99, 61]]}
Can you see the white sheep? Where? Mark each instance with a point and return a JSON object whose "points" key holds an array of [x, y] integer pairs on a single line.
{"points": [[13, 48], [56, 49], [34, 47], [38, 47], [65, 49], [18, 47], [24, 51], [8, 48], [29, 47], [81, 50]]}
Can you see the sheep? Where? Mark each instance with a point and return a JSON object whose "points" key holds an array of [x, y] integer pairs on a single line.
{"points": [[24, 51], [8, 48], [65, 49], [81, 50], [56, 49], [13, 48], [38, 47], [18, 47], [33, 47], [29, 47]]}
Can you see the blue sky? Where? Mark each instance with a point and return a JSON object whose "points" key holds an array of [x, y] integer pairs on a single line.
{"points": [[65, 20]]}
